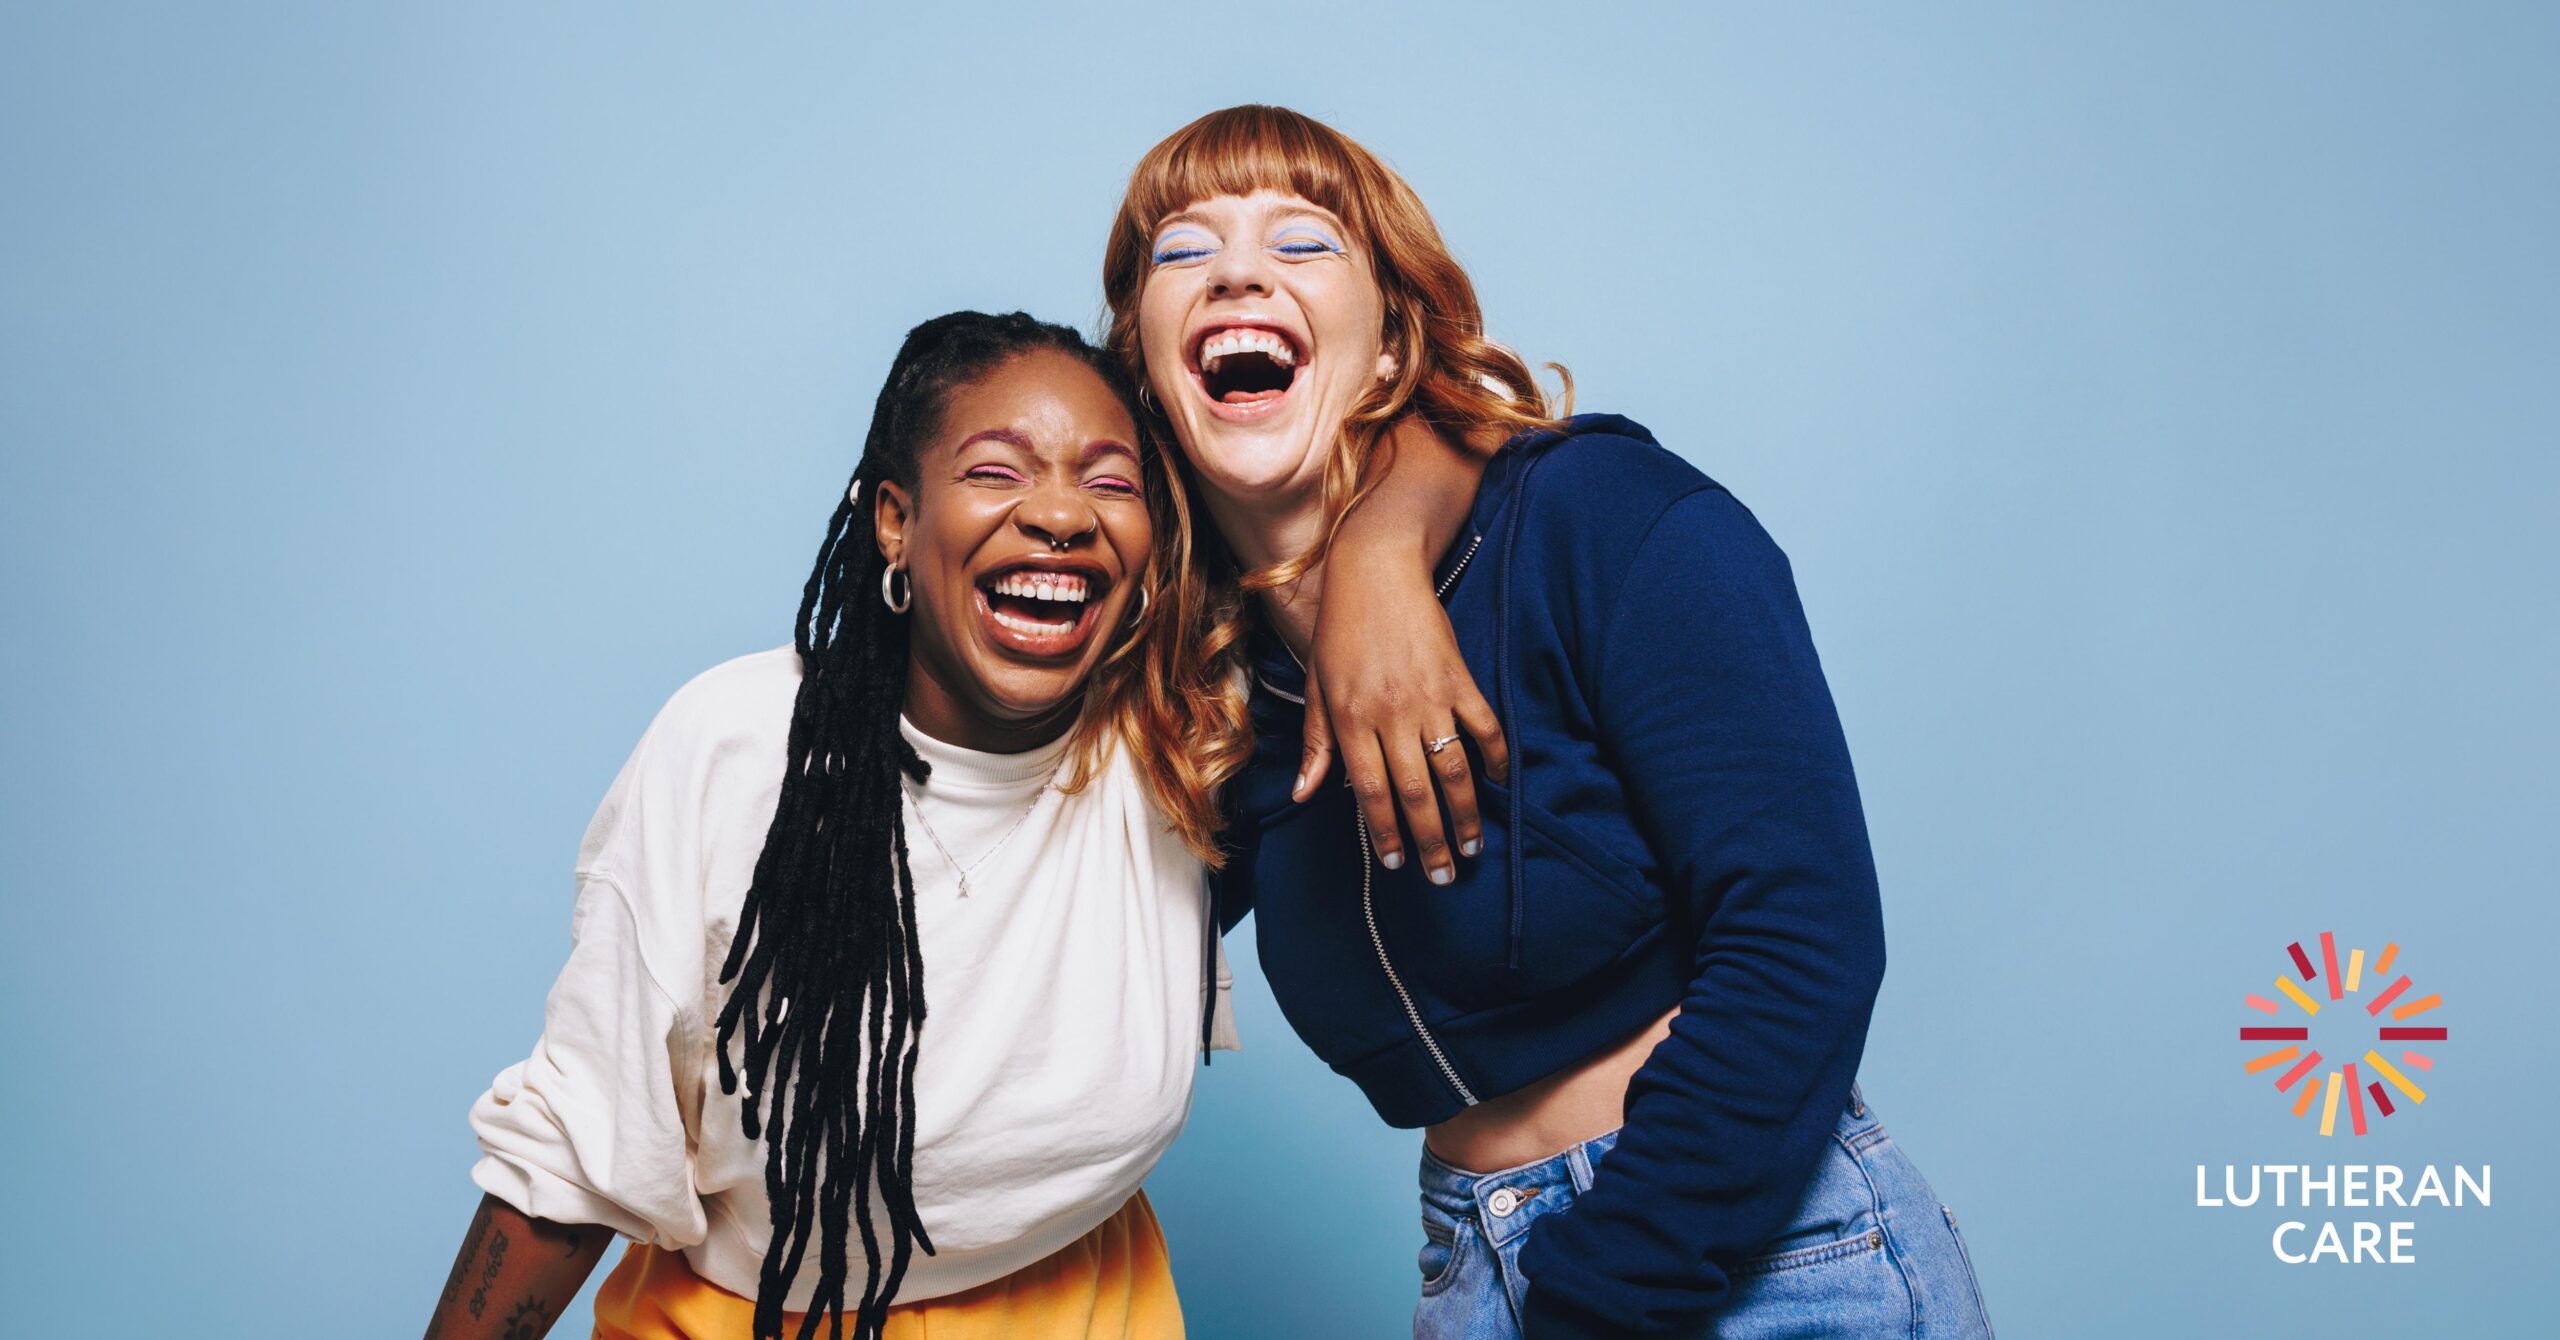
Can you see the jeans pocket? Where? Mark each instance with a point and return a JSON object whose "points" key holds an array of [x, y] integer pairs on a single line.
{"points": [[1837, 1205], [1870, 1241], [1965, 1254], [1442, 1246]]}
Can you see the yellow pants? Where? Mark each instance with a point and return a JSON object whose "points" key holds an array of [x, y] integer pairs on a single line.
{"points": [[1115, 1282]]}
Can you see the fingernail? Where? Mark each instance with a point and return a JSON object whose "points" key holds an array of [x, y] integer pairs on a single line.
{"points": [[1299, 785], [1393, 860], [1470, 847], [1442, 875]]}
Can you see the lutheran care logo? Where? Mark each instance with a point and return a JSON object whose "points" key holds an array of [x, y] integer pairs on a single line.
{"points": [[2304, 1188], [2305, 1068]]}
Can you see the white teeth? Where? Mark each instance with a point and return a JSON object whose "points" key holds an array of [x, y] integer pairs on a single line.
{"points": [[1064, 586], [1242, 340], [1035, 629], [1073, 588]]}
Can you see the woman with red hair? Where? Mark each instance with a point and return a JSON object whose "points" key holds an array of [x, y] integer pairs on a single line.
{"points": [[1629, 1008]]}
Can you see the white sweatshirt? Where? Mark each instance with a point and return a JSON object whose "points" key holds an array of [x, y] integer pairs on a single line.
{"points": [[1064, 995]]}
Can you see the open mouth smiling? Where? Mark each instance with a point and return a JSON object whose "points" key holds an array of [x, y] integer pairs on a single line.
{"points": [[1245, 370], [1041, 607]]}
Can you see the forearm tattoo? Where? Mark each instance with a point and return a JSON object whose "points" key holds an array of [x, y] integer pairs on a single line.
{"points": [[529, 1321], [461, 1267], [489, 1276], [484, 1259]]}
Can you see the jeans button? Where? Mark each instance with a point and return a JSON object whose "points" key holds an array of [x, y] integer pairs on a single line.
{"points": [[1502, 1202]]}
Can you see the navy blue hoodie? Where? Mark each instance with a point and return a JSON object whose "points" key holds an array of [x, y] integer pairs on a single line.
{"points": [[1682, 828]]}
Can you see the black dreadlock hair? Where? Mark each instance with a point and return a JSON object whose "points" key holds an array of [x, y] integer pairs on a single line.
{"points": [[827, 987]]}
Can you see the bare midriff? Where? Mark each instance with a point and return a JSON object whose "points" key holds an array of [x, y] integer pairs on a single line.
{"points": [[1574, 1104]]}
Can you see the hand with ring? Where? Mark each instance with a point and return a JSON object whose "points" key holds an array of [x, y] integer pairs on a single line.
{"points": [[1386, 686]]}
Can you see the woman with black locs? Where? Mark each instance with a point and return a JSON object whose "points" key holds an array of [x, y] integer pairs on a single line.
{"points": [[737, 1069], [999, 648]]}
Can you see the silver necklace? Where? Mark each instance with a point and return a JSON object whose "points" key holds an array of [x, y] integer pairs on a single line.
{"points": [[962, 871]]}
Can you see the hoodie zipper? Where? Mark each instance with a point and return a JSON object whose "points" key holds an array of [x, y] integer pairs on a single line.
{"points": [[1368, 862], [1369, 905], [1463, 560], [1422, 1031]]}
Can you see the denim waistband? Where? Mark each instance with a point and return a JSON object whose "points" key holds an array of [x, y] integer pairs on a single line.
{"points": [[1494, 1199]]}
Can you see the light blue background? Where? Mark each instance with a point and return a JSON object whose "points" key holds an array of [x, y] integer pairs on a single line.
{"points": [[2158, 407]]}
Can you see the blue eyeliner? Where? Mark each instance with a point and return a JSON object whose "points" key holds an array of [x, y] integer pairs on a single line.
{"points": [[1316, 242], [1166, 252], [1295, 242]]}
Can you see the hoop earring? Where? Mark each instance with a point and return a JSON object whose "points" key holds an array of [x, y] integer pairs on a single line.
{"points": [[1141, 615], [897, 603], [1147, 399]]}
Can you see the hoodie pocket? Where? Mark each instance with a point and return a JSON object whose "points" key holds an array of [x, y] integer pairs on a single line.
{"points": [[1578, 908]]}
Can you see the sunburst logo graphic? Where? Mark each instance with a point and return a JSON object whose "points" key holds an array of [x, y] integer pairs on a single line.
{"points": [[2304, 1068]]}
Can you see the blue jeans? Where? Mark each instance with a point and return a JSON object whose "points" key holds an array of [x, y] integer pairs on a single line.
{"points": [[1870, 1251]]}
